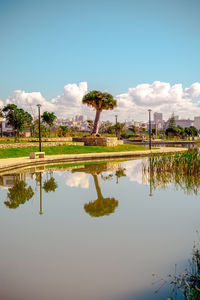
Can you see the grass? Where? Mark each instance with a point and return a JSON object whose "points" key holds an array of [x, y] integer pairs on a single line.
{"points": [[181, 169], [70, 149]]}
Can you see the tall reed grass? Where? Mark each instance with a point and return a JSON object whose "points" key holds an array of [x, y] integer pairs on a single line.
{"points": [[181, 169]]}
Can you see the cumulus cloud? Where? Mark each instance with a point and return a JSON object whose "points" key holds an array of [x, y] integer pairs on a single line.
{"points": [[159, 96], [69, 103]]}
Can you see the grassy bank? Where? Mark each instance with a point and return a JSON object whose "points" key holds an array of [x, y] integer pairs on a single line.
{"points": [[70, 149]]}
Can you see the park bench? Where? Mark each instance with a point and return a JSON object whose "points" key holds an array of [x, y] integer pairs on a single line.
{"points": [[34, 155]]}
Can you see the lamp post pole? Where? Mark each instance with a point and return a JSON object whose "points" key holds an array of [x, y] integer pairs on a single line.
{"points": [[149, 110], [116, 125], [40, 194], [40, 147]]}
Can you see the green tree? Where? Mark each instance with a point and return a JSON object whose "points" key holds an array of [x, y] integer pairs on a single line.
{"points": [[102, 206], [119, 128], [18, 194], [17, 118], [172, 131], [100, 101], [194, 131], [90, 125], [49, 119], [132, 128], [50, 185], [172, 121], [63, 130]]}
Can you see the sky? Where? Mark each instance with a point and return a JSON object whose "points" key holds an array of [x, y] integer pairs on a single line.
{"points": [[144, 52]]}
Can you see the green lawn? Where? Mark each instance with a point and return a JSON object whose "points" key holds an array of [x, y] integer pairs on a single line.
{"points": [[70, 149]]}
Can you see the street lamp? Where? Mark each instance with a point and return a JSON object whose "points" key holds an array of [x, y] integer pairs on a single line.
{"points": [[116, 125], [40, 194], [149, 110], [40, 147]]}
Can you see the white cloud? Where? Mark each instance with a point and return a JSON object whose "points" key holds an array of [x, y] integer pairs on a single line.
{"points": [[159, 96]]}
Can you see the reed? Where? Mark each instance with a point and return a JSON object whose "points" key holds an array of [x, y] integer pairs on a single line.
{"points": [[181, 169]]}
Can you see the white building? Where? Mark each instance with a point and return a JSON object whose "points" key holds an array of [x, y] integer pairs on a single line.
{"points": [[184, 122], [197, 122]]}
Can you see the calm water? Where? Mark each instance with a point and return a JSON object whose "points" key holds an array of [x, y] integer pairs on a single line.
{"points": [[94, 232]]}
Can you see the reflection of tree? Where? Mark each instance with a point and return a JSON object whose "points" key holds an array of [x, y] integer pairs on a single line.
{"points": [[50, 185], [120, 173], [102, 206], [18, 194]]}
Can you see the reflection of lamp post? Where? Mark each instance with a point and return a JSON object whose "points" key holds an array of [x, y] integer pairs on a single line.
{"points": [[149, 110], [40, 194], [150, 177], [116, 125], [40, 148]]}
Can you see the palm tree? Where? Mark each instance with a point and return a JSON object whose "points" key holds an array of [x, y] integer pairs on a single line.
{"points": [[101, 206], [100, 101], [49, 119]]}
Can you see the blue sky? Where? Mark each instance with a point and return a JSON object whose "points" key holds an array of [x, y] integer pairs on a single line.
{"points": [[112, 45]]}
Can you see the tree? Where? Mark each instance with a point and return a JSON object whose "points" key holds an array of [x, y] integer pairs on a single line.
{"points": [[101, 206], [35, 129], [132, 128], [100, 101], [120, 128], [18, 194], [172, 131], [172, 121], [49, 119], [90, 125], [63, 130], [194, 130], [17, 118], [50, 185]]}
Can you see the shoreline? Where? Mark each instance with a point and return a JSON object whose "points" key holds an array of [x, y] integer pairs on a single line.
{"points": [[9, 164]]}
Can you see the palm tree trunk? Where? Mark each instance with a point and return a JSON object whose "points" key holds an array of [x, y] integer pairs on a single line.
{"points": [[96, 122], [97, 186]]}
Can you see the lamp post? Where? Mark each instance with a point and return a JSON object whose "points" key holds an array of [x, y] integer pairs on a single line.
{"points": [[149, 110], [40, 194], [40, 147], [116, 125]]}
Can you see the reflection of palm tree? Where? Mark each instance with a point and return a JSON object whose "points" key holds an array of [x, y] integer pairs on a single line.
{"points": [[18, 194], [50, 185], [102, 206]]}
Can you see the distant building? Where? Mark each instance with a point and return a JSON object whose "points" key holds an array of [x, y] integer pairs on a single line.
{"points": [[197, 122], [157, 117], [184, 122], [79, 118]]}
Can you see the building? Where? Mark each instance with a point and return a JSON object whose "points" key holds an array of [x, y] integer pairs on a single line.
{"points": [[157, 117], [197, 122], [184, 122], [79, 118]]}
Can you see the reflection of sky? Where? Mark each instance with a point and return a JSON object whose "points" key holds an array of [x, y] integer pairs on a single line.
{"points": [[66, 254], [133, 172], [75, 179]]}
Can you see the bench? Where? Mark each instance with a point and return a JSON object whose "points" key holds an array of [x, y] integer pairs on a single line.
{"points": [[34, 155]]}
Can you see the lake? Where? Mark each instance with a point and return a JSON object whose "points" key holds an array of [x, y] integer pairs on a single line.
{"points": [[94, 231]]}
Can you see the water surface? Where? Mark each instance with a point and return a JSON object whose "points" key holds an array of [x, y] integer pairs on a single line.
{"points": [[93, 231]]}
